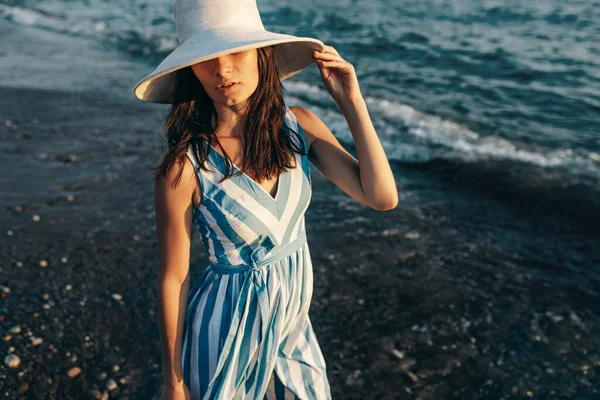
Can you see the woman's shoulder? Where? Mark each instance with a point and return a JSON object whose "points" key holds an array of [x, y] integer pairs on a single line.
{"points": [[298, 112], [178, 179]]}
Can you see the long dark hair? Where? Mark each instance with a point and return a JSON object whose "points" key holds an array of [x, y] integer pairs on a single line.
{"points": [[192, 119]]}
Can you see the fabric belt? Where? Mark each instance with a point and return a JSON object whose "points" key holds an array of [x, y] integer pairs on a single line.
{"points": [[254, 283], [257, 262]]}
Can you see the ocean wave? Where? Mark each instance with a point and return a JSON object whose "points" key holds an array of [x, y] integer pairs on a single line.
{"points": [[434, 137], [136, 41], [40, 19]]}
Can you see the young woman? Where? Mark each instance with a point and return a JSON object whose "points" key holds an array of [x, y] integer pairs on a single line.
{"points": [[237, 166]]}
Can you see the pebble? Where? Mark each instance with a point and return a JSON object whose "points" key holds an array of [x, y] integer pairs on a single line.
{"points": [[23, 388], [117, 296], [36, 218], [111, 384], [354, 377], [35, 341], [412, 376], [43, 263], [10, 233], [116, 368], [70, 197], [73, 372], [18, 209], [412, 235], [4, 292], [406, 256], [64, 260], [6, 337], [398, 354], [96, 394], [102, 376], [12, 361], [15, 329], [68, 287], [19, 264]]}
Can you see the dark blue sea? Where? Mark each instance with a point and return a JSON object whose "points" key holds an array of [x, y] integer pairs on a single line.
{"points": [[490, 114]]}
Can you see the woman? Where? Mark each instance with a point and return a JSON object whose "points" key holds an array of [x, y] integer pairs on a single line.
{"points": [[238, 166]]}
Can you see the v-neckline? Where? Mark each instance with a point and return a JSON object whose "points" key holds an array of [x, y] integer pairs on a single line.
{"points": [[279, 178]]}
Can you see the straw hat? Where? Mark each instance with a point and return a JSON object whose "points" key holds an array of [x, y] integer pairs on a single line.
{"points": [[212, 28]]}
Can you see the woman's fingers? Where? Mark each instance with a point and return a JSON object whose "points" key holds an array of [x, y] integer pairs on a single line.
{"points": [[331, 49], [327, 56], [335, 63]]}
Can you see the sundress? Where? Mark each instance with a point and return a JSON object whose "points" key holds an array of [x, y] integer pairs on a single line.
{"points": [[247, 331]]}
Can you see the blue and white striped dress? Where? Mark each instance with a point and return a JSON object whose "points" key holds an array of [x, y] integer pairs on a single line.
{"points": [[247, 331]]}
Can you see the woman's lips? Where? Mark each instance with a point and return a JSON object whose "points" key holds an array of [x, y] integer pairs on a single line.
{"points": [[228, 88]]}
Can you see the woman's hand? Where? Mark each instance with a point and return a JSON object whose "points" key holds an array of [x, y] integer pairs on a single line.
{"points": [[178, 392], [338, 75]]}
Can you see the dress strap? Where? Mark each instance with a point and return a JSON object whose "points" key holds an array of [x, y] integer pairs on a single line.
{"points": [[296, 125], [192, 156]]}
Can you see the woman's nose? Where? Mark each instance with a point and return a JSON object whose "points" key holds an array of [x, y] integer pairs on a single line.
{"points": [[224, 61]]}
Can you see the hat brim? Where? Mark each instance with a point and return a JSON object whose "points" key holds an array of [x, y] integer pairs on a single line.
{"points": [[293, 54]]}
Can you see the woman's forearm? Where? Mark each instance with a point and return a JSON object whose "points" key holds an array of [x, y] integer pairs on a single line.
{"points": [[172, 305], [376, 176]]}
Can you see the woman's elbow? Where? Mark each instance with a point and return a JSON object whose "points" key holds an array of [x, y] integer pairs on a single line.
{"points": [[388, 203]]}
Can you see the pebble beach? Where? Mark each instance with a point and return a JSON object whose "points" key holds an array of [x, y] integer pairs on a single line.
{"points": [[482, 283]]}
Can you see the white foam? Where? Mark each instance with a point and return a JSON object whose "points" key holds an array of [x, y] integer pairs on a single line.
{"points": [[28, 17], [92, 23], [433, 137]]}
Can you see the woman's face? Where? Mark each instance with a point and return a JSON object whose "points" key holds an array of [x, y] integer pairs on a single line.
{"points": [[240, 67]]}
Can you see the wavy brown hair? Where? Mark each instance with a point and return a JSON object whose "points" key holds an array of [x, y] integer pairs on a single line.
{"points": [[192, 119]]}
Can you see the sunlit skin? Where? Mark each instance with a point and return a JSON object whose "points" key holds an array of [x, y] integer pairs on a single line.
{"points": [[239, 67], [371, 182]]}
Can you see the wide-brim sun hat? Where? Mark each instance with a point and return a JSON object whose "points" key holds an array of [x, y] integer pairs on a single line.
{"points": [[209, 29]]}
